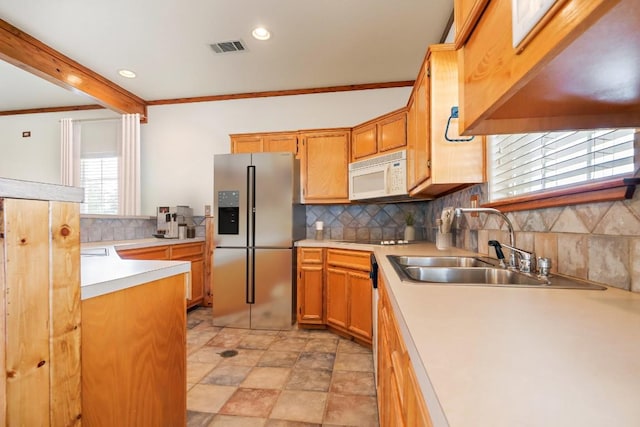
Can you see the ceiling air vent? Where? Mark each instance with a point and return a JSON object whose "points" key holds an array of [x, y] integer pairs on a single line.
{"points": [[227, 47]]}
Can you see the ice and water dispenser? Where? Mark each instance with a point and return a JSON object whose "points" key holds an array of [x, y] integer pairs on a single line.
{"points": [[228, 212]]}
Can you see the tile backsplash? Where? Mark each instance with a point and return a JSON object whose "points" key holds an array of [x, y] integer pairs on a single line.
{"points": [[99, 229], [594, 241], [366, 222]]}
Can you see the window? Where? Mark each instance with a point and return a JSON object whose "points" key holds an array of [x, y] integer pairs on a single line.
{"points": [[528, 163], [99, 161], [99, 178]]}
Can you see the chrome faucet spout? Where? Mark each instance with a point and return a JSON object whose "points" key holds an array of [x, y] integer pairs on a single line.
{"points": [[512, 238]]}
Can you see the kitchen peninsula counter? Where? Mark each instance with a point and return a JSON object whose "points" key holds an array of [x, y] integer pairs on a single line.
{"points": [[103, 271], [503, 356]]}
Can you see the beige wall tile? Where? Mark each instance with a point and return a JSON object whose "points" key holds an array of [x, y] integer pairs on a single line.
{"points": [[608, 261], [592, 213], [535, 222], [634, 264], [569, 222], [618, 221], [573, 255], [550, 216]]}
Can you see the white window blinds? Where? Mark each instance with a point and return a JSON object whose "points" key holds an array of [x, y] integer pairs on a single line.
{"points": [[99, 178], [525, 163]]}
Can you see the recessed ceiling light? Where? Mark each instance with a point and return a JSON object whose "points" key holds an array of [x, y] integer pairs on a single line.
{"points": [[261, 33], [127, 73]]}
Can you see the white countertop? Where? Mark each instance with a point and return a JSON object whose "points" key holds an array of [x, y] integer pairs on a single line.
{"points": [[18, 189], [489, 356], [103, 274]]}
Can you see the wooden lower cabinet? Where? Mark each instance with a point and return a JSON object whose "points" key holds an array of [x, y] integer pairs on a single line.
{"points": [[193, 252], [134, 356], [310, 286], [349, 293], [400, 401], [334, 290]]}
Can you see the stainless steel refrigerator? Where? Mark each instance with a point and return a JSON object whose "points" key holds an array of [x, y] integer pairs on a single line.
{"points": [[259, 217]]}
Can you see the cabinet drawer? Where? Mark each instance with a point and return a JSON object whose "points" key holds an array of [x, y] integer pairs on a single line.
{"points": [[310, 255], [149, 253], [188, 250], [356, 260]]}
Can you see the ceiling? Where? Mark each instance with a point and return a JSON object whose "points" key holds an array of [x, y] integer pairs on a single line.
{"points": [[314, 44]]}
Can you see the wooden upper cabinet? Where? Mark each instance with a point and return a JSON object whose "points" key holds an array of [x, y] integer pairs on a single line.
{"points": [[466, 14], [273, 142], [281, 142], [441, 165], [379, 135], [572, 71], [363, 141], [324, 165], [246, 143]]}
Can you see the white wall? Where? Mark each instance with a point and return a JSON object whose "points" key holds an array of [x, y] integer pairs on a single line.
{"points": [[180, 140], [36, 158]]}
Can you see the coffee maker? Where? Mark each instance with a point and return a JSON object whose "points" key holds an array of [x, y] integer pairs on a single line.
{"points": [[170, 218]]}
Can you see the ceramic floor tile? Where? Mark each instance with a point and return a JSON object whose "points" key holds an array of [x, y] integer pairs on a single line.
{"points": [[197, 370], [281, 359], [245, 357], [225, 340], [208, 397], [198, 419], [285, 423], [250, 402], [207, 354], [305, 406], [257, 342], [321, 334], [236, 421], [315, 360], [295, 333], [227, 375], [285, 343], [353, 362], [347, 346], [349, 382], [263, 332], [309, 379], [325, 345], [351, 410], [266, 377]]}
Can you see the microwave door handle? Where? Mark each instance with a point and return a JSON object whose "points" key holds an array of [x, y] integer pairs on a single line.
{"points": [[387, 178]]}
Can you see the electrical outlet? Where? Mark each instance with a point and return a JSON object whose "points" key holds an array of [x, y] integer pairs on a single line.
{"points": [[474, 204]]}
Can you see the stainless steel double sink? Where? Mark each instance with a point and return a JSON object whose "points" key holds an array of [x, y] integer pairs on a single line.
{"points": [[479, 271]]}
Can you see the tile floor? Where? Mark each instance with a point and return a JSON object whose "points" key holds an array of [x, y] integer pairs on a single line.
{"points": [[296, 378]]}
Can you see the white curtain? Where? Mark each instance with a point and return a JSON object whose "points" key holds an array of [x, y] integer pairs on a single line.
{"points": [[70, 152], [130, 165]]}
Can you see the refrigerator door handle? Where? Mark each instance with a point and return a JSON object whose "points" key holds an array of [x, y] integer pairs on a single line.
{"points": [[250, 289], [251, 206]]}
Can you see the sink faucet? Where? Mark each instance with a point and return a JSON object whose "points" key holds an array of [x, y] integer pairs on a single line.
{"points": [[512, 237]]}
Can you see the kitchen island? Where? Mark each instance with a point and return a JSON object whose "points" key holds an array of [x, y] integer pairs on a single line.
{"points": [[516, 356], [133, 338]]}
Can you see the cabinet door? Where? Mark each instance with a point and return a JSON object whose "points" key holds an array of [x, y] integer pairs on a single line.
{"points": [[422, 154], [337, 297], [392, 132], [360, 317], [197, 283], [324, 166], [364, 141], [281, 142], [310, 294], [246, 143], [412, 123]]}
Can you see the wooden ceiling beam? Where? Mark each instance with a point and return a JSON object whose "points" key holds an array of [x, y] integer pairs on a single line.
{"points": [[26, 52]]}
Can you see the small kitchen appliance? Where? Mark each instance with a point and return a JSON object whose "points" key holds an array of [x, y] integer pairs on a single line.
{"points": [[383, 177], [170, 218]]}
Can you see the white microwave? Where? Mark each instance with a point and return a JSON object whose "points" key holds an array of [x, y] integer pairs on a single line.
{"points": [[381, 177]]}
